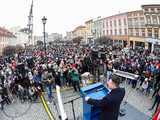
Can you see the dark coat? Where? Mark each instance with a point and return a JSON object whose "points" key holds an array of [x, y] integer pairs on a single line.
{"points": [[110, 104]]}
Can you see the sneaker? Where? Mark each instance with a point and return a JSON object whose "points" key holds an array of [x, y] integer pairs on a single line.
{"points": [[48, 103]]}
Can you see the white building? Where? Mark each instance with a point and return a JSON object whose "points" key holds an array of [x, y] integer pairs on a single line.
{"points": [[69, 36], [54, 37], [21, 36], [49, 38], [97, 26]]}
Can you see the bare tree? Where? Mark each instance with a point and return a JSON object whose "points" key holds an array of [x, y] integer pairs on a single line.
{"points": [[103, 40], [77, 40]]}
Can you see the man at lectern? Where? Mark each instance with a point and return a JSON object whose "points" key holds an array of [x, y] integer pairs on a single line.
{"points": [[110, 104]]}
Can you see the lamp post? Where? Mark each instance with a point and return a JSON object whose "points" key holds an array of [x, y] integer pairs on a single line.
{"points": [[25, 48], [44, 19]]}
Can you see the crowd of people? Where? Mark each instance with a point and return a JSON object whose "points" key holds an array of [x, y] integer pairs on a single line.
{"points": [[22, 73]]}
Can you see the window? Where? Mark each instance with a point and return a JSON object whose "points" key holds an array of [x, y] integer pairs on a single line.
{"points": [[142, 21], [156, 33], [137, 32], [115, 23], [111, 23], [136, 22], [119, 22], [146, 9], [125, 31], [155, 20], [120, 31], [143, 33], [152, 10], [148, 19], [103, 32], [115, 32], [107, 24], [125, 23], [103, 25], [149, 32], [107, 32], [135, 14], [111, 32], [131, 32], [141, 14], [130, 22]]}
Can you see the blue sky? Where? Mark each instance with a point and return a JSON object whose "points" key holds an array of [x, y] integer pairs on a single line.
{"points": [[63, 15]]}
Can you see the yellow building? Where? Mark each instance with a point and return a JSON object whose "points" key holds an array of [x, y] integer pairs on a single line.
{"points": [[80, 31]]}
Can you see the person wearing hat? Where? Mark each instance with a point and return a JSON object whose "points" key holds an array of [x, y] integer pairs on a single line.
{"points": [[110, 104]]}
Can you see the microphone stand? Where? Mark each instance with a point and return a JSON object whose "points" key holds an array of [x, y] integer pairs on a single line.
{"points": [[72, 103]]}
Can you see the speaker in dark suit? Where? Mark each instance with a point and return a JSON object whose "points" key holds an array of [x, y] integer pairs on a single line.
{"points": [[110, 104]]}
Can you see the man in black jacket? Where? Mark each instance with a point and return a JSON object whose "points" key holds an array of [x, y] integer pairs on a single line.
{"points": [[110, 104]]}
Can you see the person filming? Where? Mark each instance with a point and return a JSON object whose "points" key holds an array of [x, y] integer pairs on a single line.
{"points": [[110, 104]]}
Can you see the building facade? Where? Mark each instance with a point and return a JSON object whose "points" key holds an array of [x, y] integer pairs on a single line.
{"points": [[49, 37], [69, 36], [152, 26], [6, 37], [116, 27], [97, 27], [89, 33], [80, 31], [54, 37], [136, 29], [21, 36]]}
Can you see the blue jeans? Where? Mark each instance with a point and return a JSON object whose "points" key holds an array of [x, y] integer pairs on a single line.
{"points": [[49, 92]]}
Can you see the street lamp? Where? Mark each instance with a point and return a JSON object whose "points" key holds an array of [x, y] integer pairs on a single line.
{"points": [[44, 19]]}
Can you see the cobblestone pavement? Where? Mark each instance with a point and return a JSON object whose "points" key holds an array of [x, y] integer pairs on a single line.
{"points": [[136, 108]]}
